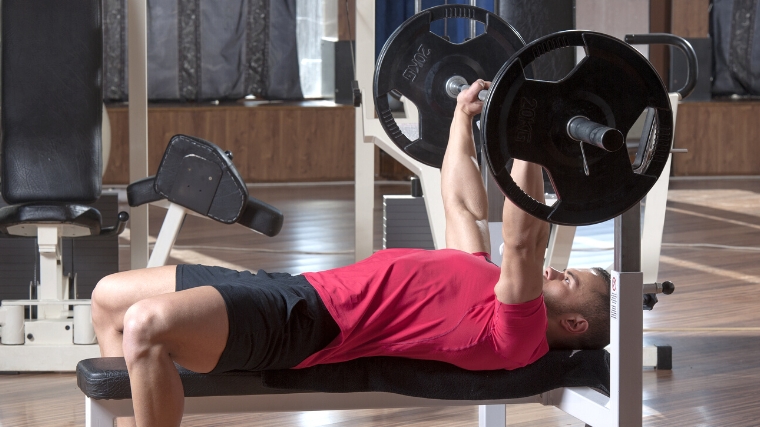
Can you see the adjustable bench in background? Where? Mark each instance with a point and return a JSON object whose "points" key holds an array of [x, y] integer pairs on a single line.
{"points": [[197, 177], [51, 168]]}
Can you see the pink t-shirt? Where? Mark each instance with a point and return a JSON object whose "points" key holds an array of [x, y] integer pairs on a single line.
{"points": [[433, 305]]}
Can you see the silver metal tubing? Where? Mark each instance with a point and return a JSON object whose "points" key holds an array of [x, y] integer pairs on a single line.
{"points": [[473, 23], [628, 240]]}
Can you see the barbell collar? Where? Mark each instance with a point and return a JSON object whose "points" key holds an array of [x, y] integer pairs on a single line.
{"points": [[457, 84], [582, 129]]}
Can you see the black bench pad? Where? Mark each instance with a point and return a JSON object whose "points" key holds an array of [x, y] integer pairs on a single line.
{"points": [[184, 157], [50, 213], [106, 378]]}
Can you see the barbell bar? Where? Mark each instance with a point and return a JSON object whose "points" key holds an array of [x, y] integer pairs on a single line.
{"points": [[579, 128]]}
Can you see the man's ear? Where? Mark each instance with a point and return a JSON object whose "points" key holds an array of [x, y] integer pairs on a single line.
{"points": [[574, 323]]}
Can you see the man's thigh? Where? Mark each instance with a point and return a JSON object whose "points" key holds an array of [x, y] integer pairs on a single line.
{"points": [[115, 293], [191, 325]]}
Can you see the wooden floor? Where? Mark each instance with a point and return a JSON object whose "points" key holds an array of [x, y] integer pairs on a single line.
{"points": [[712, 321]]}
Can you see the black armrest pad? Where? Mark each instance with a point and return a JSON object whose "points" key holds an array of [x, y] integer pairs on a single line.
{"points": [[224, 204], [261, 217], [142, 192]]}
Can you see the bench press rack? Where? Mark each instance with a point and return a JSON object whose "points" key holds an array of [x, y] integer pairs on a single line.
{"points": [[623, 408]]}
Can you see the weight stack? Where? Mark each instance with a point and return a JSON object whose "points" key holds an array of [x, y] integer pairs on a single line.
{"points": [[405, 223], [91, 258], [537, 18]]}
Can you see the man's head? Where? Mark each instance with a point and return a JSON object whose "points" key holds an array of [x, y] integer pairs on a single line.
{"points": [[578, 308]]}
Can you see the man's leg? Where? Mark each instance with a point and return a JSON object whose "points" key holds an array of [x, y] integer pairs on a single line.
{"points": [[114, 294], [188, 327]]}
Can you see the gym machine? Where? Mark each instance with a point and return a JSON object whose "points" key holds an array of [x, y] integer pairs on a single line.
{"points": [[194, 177], [52, 167]]}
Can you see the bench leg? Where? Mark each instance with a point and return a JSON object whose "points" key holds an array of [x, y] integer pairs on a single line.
{"points": [[103, 413], [97, 415], [492, 415]]}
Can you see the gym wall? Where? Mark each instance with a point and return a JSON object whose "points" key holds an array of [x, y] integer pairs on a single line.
{"points": [[205, 51], [720, 134], [316, 144]]}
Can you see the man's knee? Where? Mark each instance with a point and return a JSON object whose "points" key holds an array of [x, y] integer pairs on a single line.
{"points": [[144, 325], [102, 297]]}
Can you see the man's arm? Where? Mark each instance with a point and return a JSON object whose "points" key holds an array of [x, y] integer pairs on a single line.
{"points": [[464, 195], [525, 239]]}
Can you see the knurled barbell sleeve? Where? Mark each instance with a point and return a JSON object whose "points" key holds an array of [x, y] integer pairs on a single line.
{"points": [[583, 129]]}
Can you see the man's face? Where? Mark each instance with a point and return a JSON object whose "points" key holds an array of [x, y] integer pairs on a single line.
{"points": [[570, 289]]}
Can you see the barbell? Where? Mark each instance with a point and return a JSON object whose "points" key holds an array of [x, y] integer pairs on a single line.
{"points": [[579, 128], [575, 128]]}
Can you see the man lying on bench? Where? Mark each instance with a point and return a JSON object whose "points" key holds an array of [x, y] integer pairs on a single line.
{"points": [[451, 305]]}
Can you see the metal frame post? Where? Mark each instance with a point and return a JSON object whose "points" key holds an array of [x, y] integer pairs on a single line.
{"points": [[138, 124], [626, 321], [175, 216], [369, 130]]}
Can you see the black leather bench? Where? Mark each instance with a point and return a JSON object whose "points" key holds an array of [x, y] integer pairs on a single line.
{"points": [[374, 382]]}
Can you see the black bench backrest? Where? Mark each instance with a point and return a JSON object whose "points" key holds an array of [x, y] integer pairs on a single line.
{"points": [[52, 55]]}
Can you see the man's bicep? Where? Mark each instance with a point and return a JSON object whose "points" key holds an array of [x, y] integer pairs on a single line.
{"points": [[466, 233]]}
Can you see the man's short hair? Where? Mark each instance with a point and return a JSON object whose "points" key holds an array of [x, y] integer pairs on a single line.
{"points": [[597, 313]]}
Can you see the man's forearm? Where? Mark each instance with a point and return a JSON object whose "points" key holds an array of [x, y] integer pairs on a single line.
{"points": [[520, 228], [461, 182], [525, 240]]}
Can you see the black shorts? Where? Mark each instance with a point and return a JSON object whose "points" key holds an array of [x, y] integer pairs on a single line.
{"points": [[276, 320]]}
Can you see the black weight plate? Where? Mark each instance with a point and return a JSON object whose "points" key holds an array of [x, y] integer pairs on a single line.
{"points": [[417, 64], [527, 120]]}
